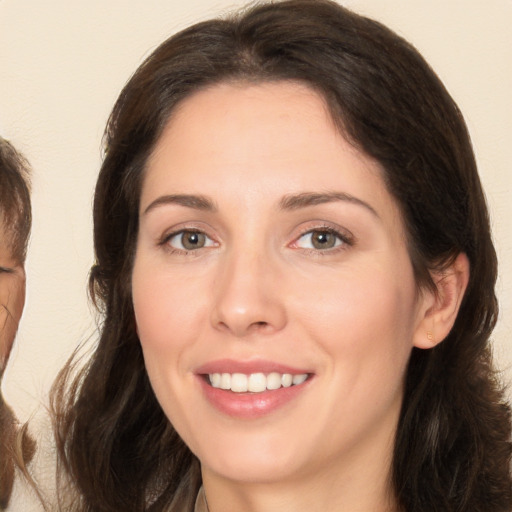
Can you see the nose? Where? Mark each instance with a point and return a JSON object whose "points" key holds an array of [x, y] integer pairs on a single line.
{"points": [[247, 295]]}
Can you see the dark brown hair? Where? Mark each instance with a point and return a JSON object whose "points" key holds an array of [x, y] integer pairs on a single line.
{"points": [[16, 446], [452, 446], [15, 208]]}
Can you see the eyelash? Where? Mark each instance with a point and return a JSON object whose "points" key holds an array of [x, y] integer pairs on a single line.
{"points": [[164, 242], [346, 239]]}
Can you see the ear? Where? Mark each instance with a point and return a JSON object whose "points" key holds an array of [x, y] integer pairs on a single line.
{"points": [[439, 308]]}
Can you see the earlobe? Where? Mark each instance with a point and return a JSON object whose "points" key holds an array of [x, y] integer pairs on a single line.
{"points": [[440, 308]]}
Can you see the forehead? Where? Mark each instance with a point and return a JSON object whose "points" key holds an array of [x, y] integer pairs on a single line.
{"points": [[246, 125], [270, 114], [240, 132]]}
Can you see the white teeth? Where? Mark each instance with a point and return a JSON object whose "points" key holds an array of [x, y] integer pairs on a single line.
{"points": [[239, 383], [274, 381], [286, 380], [255, 382], [299, 379], [215, 379], [225, 381]]}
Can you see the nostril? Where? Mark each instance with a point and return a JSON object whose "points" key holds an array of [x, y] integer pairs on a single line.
{"points": [[260, 326]]}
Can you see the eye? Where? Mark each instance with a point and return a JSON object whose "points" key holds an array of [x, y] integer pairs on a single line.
{"points": [[189, 240], [320, 239]]}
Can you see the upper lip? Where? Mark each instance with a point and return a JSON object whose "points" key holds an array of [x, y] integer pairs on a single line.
{"points": [[248, 367]]}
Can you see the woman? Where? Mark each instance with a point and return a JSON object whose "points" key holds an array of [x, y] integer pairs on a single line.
{"points": [[296, 273], [16, 447]]}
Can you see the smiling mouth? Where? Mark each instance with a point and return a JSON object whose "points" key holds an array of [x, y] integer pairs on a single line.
{"points": [[254, 382]]}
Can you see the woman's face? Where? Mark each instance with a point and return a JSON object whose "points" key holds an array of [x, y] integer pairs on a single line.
{"points": [[274, 296], [12, 296]]}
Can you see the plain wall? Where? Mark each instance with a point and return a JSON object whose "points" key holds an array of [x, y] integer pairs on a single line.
{"points": [[62, 65]]}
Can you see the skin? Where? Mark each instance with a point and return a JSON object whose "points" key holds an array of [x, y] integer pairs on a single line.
{"points": [[259, 289], [12, 300], [12, 297]]}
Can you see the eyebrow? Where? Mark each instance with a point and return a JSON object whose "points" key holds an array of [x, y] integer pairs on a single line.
{"points": [[288, 202], [187, 200], [305, 199]]}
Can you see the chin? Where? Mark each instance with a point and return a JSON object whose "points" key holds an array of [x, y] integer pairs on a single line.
{"points": [[252, 468], [257, 458]]}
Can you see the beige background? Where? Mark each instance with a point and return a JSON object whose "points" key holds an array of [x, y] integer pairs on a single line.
{"points": [[62, 65]]}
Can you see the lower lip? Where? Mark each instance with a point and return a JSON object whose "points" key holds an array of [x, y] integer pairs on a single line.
{"points": [[250, 405]]}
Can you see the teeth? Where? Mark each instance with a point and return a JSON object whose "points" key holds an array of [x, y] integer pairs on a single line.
{"points": [[274, 381], [299, 379], [239, 383], [255, 382], [286, 380], [225, 381], [215, 380]]}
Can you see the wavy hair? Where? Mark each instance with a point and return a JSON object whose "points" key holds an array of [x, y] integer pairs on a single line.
{"points": [[452, 449]]}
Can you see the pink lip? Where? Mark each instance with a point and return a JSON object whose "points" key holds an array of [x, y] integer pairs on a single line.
{"points": [[248, 367], [249, 405]]}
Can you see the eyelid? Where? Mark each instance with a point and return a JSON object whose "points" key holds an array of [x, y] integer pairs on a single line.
{"points": [[180, 229], [346, 237], [192, 226], [183, 231]]}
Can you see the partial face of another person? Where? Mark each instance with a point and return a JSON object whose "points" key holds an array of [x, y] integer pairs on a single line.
{"points": [[274, 295], [12, 295]]}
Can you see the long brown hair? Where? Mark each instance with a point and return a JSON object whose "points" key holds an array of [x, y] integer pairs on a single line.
{"points": [[452, 448]]}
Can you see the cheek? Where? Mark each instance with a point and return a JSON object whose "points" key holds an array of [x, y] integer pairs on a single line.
{"points": [[363, 324], [12, 300], [168, 315], [355, 294], [363, 318]]}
